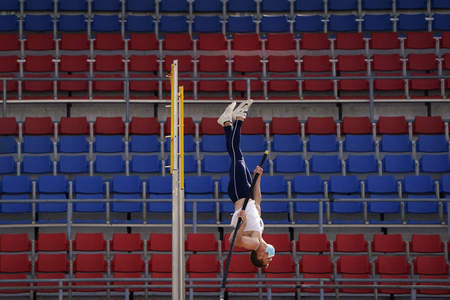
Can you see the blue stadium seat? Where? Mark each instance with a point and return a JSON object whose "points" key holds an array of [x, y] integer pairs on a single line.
{"points": [[106, 5], [382, 187], [342, 23], [145, 164], [253, 160], [8, 144], [207, 6], [323, 143], [412, 22], [213, 143], [140, 23], [52, 187], [359, 143], [216, 164], [145, 143], [189, 144], [312, 5], [287, 143], [207, 24], [398, 164], [141, 6], [16, 187], [159, 187], [73, 164], [190, 164], [395, 143], [38, 23], [440, 4], [109, 144], [225, 207], [37, 144], [444, 188], [275, 5], [38, 5], [126, 187], [342, 4], [109, 164], [88, 187], [377, 23], [8, 23], [289, 164], [37, 164], [104, 23], [377, 5], [274, 24], [432, 143], [9, 5], [72, 23], [274, 187], [173, 24], [308, 24], [200, 187], [72, 5], [325, 164], [307, 187], [420, 187], [411, 4], [174, 6], [241, 24], [253, 143], [73, 144], [344, 187], [241, 5], [7, 165], [435, 163], [441, 22], [362, 164]]}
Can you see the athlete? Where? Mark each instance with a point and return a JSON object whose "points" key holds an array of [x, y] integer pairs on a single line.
{"points": [[249, 235]]}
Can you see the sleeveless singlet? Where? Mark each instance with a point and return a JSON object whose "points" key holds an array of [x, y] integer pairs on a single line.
{"points": [[254, 221]]}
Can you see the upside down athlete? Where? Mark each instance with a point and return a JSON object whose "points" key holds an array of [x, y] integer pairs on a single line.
{"points": [[250, 232]]}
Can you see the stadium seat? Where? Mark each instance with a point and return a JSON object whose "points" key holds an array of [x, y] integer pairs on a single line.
{"points": [[9, 64], [144, 143], [285, 125], [72, 23], [52, 242], [241, 6], [15, 242], [8, 144], [300, 5], [9, 41], [204, 242], [215, 164], [173, 24], [349, 41], [312, 23], [275, 270], [211, 41], [9, 5], [139, 6], [207, 24], [416, 4], [145, 164], [392, 267], [108, 63], [37, 144], [109, 125], [89, 242], [140, 24], [274, 5], [320, 125], [15, 187], [325, 164], [420, 187], [345, 187], [143, 63], [199, 187], [362, 164], [426, 243], [322, 143], [38, 23], [342, 23], [108, 144], [143, 41], [159, 242], [440, 22], [439, 4], [209, 63], [74, 41], [274, 187], [378, 5], [420, 40], [52, 187], [245, 41], [350, 243], [37, 164], [359, 143], [280, 41], [93, 264], [105, 23], [354, 266], [174, 6], [378, 22], [88, 187], [342, 5], [312, 242], [392, 125], [432, 143], [382, 187], [39, 63], [398, 164], [109, 164], [39, 41], [428, 125], [73, 164], [247, 63], [386, 62], [384, 41], [240, 24], [412, 22], [73, 144], [108, 41], [38, 5], [434, 163], [431, 267], [213, 143], [307, 187], [316, 266], [289, 164], [207, 6], [388, 243], [395, 143], [287, 143], [126, 187], [72, 63], [8, 23], [274, 23]]}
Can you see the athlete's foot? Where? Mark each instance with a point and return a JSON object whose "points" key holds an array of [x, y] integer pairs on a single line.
{"points": [[240, 113], [227, 115]]}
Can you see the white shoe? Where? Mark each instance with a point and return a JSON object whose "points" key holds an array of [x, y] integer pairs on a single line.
{"points": [[227, 115], [242, 109]]}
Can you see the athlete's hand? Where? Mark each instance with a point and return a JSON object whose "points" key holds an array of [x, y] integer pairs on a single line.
{"points": [[243, 216], [258, 170]]}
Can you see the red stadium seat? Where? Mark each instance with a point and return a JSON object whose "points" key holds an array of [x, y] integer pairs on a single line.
{"points": [[280, 241], [108, 86], [253, 125], [73, 125], [317, 63], [41, 63], [444, 281], [320, 125], [428, 125], [392, 125], [356, 125], [52, 242], [128, 275], [126, 242], [160, 263], [386, 62], [430, 265], [420, 40], [209, 63], [312, 242], [282, 63], [280, 275], [108, 41], [9, 63], [316, 266], [426, 243], [74, 41], [280, 41], [168, 283], [247, 64], [189, 126], [283, 85], [202, 263], [422, 62], [15, 263], [38, 125], [160, 242], [281, 263], [241, 85], [446, 65], [73, 85], [12, 285], [314, 41], [357, 267], [88, 276], [351, 63], [241, 286], [240, 263], [15, 242], [184, 63], [52, 263], [445, 41], [245, 41], [384, 41], [317, 85], [350, 243], [46, 284], [349, 41], [89, 242], [353, 84], [286, 125], [74, 63], [389, 84], [210, 126], [393, 267], [388, 243], [205, 275], [143, 41], [143, 85], [177, 41], [127, 263], [9, 42], [424, 84], [108, 63], [201, 242], [90, 263], [38, 86], [143, 63], [144, 125], [211, 41], [39, 41]]}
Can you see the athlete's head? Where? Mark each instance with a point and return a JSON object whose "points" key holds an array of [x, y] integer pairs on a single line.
{"points": [[262, 256]]}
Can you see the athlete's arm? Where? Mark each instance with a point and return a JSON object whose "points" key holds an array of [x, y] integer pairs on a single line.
{"points": [[245, 241], [257, 189]]}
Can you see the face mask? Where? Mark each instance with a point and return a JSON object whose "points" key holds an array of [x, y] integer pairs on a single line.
{"points": [[270, 250]]}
